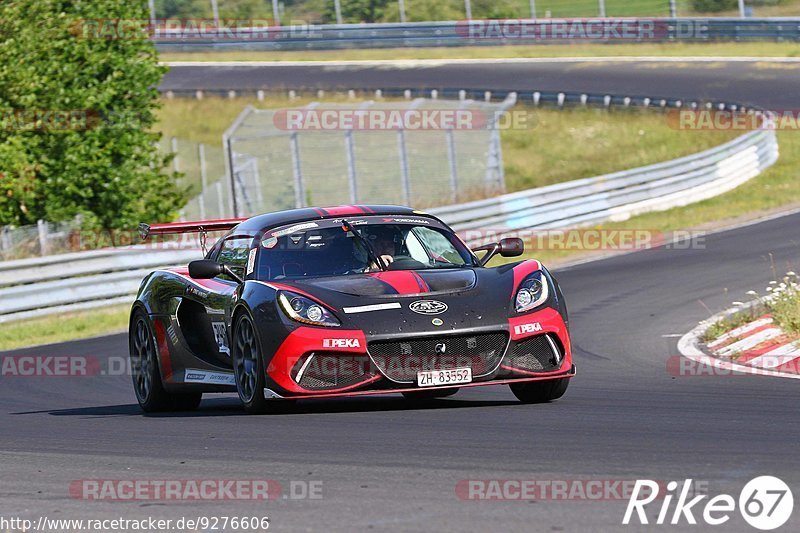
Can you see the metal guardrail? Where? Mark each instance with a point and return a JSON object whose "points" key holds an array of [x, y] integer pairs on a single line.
{"points": [[41, 286], [49, 285], [621, 195], [471, 33]]}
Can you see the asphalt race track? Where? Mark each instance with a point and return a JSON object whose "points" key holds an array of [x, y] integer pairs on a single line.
{"points": [[387, 465], [753, 83]]}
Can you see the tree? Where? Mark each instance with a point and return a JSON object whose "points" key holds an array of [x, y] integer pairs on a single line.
{"points": [[66, 58]]}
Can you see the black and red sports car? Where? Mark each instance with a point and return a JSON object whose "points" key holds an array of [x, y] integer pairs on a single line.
{"points": [[345, 301]]}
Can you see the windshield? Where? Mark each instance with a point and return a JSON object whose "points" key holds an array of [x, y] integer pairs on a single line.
{"points": [[327, 248]]}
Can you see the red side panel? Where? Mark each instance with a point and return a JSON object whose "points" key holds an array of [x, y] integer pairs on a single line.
{"points": [[304, 340], [343, 211], [210, 284], [522, 271]]}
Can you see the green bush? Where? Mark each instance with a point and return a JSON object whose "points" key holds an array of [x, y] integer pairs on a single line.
{"points": [[105, 165]]}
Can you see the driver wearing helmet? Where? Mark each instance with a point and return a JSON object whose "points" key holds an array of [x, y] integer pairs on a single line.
{"points": [[385, 241]]}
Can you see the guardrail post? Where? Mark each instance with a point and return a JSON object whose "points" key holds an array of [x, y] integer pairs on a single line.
{"points": [[297, 171], [41, 225], [201, 154], [404, 171]]}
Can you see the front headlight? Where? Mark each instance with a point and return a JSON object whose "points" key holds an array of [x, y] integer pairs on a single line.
{"points": [[302, 309], [532, 293]]}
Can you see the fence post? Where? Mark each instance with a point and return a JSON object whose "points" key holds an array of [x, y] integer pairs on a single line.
{"points": [[176, 164], [201, 154], [742, 9], [5, 239], [602, 7], [151, 4], [215, 12], [404, 171], [257, 183], [276, 12], [533, 9], [297, 171], [220, 202], [349, 144], [673, 9], [468, 9], [401, 5], [453, 163], [42, 227], [227, 151], [337, 6]]}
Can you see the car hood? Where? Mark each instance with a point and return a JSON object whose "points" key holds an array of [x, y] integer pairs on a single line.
{"points": [[397, 283]]}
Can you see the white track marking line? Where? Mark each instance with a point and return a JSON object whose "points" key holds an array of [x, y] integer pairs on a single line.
{"points": [[738, 332], [751, 342]]}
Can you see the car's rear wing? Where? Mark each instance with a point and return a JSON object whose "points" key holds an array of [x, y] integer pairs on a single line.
{"points": [[200, 226]]}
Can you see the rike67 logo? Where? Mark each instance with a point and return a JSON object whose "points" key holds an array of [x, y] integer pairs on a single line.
{"points": [[766, 503]]}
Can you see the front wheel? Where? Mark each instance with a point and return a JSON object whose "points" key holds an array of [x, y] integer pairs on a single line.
{"points": [[248, 367], [147, 383], [540, 391]]}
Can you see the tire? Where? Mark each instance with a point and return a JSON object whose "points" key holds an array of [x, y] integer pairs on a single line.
{"points": [[540, 391], [430, 394], [146, 375], [248, 366]]}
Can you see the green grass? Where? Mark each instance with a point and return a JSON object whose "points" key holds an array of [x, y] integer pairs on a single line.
{"points": [[63, 327], [511, 51], [785, 307]]}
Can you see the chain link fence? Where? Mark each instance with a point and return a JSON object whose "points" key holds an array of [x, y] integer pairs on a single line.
{"points": [[278, 12], [424, 152]]}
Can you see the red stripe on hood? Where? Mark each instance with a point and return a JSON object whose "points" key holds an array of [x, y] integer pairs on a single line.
{"points": [[403, 281]]}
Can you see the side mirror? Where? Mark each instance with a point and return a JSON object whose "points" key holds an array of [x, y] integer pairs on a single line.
{"points": [[205, 269], [510, 247]]}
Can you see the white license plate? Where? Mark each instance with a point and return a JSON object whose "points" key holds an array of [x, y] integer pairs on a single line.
{"points": [[436, 378]]}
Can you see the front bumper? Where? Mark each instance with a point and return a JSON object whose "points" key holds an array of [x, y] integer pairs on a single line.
{"points": [[323, 362]]}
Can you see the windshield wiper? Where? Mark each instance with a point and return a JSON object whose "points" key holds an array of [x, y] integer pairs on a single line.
{"points": [[370, 250]]}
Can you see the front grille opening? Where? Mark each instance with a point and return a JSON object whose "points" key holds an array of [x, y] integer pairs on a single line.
{"points": [[401, 360], [537, 354], [327, 371]]}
